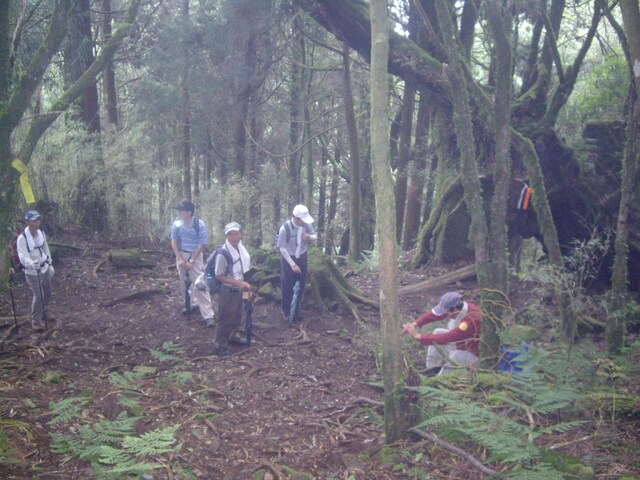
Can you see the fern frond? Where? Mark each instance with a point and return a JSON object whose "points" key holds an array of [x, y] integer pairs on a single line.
{"points": [[153, 443], [67, 408], [563, 427]]}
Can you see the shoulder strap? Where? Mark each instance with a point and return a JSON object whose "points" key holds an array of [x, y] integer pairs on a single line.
{"points": [[221, 250], [287, 227], [26, 242]]}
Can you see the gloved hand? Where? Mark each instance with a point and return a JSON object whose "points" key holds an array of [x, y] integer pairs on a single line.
{"points": [[52, 271]]}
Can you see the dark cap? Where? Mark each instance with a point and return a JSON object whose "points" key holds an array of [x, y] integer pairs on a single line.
{"points": [[448, 301], [31, 215], [185, 206]]}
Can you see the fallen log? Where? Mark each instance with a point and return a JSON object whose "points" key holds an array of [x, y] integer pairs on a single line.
{"points": [[455, 276], [133, 296], [128, 258]]}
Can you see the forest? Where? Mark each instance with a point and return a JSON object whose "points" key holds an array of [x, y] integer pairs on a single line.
{"points": [[489, 147]]}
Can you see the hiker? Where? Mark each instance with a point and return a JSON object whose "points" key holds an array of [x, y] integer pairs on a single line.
{"points": [[35, 257], [231, 292], [188, 240], [294, 238], [459, 343]]}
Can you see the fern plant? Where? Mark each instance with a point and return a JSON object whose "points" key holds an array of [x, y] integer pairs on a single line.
{"points": [[68, 408], [167, 353], [500, 415], [113, 449]]}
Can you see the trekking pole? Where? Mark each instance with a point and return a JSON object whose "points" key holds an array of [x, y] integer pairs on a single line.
{"points": [[187, 295], [44, 308], [13, 302]]}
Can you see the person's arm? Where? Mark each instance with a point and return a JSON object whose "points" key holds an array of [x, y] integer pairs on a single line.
{"points": [[221, 266], [466, 330], [310, 235]]}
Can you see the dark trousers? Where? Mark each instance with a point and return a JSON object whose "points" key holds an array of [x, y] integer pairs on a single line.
{"points": [[229, 315], [288, 279]]}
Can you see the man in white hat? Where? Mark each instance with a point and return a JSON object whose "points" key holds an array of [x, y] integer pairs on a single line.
{"points": [[231, 276], [459, 343], [35, 257], [294, 238]]}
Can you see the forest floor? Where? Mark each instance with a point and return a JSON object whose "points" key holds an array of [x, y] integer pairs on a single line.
{"points": [[300, 400]]}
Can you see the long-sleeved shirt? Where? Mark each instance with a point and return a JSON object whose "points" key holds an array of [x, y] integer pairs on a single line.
{"points": [[34, 252], [466, 334]]}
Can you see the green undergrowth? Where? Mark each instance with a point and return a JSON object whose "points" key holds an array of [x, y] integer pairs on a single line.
{"points": [[517, 423]]}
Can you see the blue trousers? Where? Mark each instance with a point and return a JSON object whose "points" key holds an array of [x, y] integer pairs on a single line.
{"points": [[288, 279]]}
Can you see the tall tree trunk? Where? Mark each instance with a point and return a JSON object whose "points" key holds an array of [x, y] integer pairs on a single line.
{"points": [[500, 22], [78, 56], [296, 116], [110, 95], [185, 120], [355, 214], [404, 152], [330, 235], [417, 169], [463, 128], [616, 327], [394, 414]]}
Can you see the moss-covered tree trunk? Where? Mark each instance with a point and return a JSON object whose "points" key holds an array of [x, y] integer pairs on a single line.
{"points": [[355, 181], [394, 413], [629, 186]]}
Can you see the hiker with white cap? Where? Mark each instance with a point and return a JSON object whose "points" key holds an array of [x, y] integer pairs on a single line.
{"points": [[35, 257], [456, 345], [294, 237], [231, 276]]}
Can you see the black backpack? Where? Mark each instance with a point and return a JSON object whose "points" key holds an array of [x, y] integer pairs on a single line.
{"points": [[210, 269]]}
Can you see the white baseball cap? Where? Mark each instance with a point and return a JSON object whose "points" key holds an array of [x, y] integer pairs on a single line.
{"points": [[302, 212], [232, 227]]}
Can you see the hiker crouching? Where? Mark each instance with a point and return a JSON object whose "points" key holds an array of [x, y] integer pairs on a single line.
{"points": [[35, 257], [231, 291], [456, 345]]}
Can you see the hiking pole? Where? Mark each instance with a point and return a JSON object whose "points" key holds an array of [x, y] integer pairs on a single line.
{"points": [[187, 294], [44, 308], [13, 302], [248, 310]]}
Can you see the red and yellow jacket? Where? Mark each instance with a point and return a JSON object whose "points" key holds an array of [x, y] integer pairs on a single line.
{"points": [[466, 335]]}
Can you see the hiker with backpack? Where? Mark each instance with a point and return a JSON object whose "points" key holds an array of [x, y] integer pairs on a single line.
{"points": [[189, 238], [35, 258], [294, 237], [229, 270]]}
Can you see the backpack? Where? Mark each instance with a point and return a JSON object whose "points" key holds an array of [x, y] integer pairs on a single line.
{"points": [[16, 264], [208, 278], [287, 228], [13, 253]]}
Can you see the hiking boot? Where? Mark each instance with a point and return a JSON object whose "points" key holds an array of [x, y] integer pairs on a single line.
{"points": [[210, 322], [38, 327], [238, 340], [221, 351]]}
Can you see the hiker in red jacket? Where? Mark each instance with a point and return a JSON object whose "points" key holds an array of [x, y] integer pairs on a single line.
{"points": [[459, 343]]}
